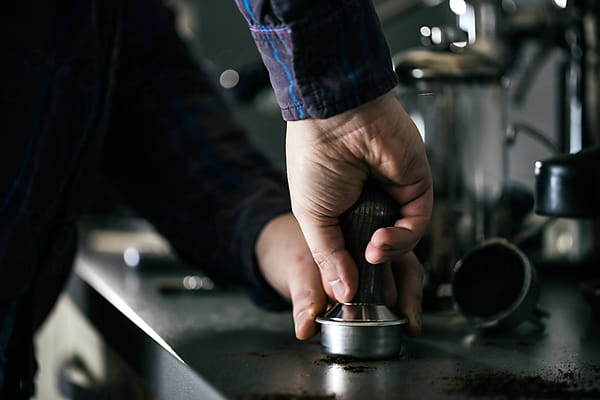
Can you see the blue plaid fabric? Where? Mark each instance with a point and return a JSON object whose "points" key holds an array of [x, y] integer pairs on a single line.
{"points": [[105, 88], [324, 56]]}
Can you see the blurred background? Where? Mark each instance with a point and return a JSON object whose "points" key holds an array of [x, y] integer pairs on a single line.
{"points": [[219, 38]]}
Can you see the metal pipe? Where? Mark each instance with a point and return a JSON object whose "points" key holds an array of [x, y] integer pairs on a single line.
{"points": [[590, 62]]}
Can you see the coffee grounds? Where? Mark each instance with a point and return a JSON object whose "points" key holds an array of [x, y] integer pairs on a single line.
{"points": [[346, 363], [567, 384], [357, 369], [339, 360]]}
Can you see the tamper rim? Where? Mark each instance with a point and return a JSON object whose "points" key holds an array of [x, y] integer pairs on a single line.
{"points": [[360, 314], [337, 321], [376, 338]]}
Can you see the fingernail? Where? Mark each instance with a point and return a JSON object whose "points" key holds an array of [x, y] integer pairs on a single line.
{"points": [[301, 322], [301, 318], [377, 245], [339, 289]]}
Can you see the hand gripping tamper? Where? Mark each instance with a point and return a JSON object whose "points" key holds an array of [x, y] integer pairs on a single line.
{"points": [[364, 328]]}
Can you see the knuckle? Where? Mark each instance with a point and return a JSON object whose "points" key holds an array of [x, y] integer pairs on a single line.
{"points": [[308, 293], [322, 259]]}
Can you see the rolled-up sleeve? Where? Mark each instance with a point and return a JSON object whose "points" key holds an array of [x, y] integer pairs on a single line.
{"points": [[323, 57]]}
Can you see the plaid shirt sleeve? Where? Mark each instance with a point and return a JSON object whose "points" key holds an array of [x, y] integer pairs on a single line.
{"points": [[324, 56]]}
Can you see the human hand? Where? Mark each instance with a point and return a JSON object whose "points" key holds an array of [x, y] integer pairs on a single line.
{"points": [[287, 264], [329, 160]]}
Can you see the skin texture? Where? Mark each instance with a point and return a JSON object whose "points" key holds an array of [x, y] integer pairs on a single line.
{"points": [[328, 161], [287, 264]]}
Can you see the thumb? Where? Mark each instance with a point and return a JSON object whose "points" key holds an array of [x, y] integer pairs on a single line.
{"points": [[326, 243], [308, 299]]}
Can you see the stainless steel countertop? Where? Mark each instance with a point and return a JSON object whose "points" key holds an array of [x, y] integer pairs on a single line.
{"points": [[217, 344]]}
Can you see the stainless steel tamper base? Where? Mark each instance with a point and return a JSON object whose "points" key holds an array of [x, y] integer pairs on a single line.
{"points": [[365, 331]]}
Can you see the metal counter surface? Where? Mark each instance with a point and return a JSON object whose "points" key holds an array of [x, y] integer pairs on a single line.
{"points": [[217, 344]]}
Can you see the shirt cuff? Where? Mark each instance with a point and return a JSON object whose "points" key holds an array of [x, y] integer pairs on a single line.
{"points": [[327, 63]]}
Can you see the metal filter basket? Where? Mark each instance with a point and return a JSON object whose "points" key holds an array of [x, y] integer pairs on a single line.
{"points": [[362, 331], [364, 328]]}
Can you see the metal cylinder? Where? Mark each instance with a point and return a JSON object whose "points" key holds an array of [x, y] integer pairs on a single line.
{"points": [[364, 328]]}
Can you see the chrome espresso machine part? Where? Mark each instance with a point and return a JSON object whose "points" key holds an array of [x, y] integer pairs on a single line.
{"points": [[364, 328], [457, 90], [459, 104]]}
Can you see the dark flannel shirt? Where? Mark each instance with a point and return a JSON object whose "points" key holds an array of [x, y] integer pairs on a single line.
{"points": [[323, 56], [105, 87]]}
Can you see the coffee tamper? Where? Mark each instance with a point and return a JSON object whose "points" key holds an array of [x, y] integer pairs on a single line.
{"points": [[364, 328]]}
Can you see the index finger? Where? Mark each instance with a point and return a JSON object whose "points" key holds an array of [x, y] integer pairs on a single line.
{"points": [[392, 242]]}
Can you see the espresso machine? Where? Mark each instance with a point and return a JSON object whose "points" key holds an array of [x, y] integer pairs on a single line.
{"points": [[457, 88]]}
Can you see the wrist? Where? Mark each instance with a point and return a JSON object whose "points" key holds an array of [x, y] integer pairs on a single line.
{"points": [[356, 115], [354, 132], [268, 253]]}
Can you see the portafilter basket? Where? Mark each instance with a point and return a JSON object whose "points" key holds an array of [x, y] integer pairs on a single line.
{"points": [[495, 286]]}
